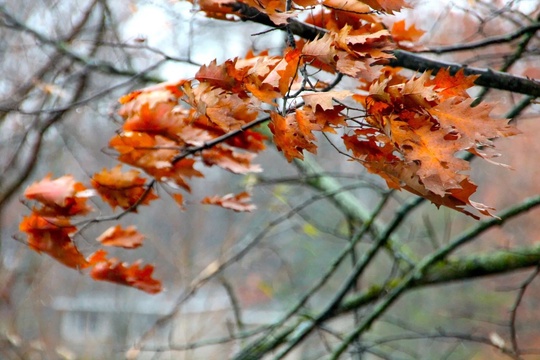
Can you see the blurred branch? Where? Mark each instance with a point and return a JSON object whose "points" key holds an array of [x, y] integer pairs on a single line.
{"points": [[513, 311], [527, 30], [301, 331], [468, 267], [432, 270], [63, 47], [511, 60], [421, 269], [350, 205]]}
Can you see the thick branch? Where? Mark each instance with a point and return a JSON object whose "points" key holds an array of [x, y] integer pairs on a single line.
{"points": [[487, 77], [405, 59]]}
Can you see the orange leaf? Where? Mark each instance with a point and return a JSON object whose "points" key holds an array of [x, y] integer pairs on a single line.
{"points": [[179, 198], [325, 99], [52, 238], [348, 6], [238, 202], [388, 6], [60, 197], [474, 127], [419, 126], [230, 160], [218, 75], [448, 86], [399, 33], [128, 238], [113, 270], [248, 140], [122, 189], [289, 137]]}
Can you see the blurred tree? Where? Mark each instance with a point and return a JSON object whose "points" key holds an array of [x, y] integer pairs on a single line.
{"points": [[333, 264]]}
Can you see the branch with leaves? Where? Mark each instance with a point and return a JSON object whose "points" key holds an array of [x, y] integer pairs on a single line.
{"points": [[409, 130]]}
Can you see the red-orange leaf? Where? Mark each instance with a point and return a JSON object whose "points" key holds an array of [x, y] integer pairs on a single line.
{"points": [[388, 6], [60, 197], [128, 238], [122, 189], [52, 237], [449, 86], [230, 160], [325, 99], [289, 137], [399, 33], [115, 271], [179, 198], [238, 202]]}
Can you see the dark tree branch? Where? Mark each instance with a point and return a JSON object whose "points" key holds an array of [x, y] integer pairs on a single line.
{"points": [[487, 77]]}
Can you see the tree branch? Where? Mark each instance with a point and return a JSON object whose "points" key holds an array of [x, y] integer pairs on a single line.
{"points": [[530, 29], [468, 267], [405, 59], [487, 77]]}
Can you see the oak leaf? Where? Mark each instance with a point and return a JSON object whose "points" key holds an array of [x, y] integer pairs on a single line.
{"points": [[400, 33], [60, 197], [289, 137], [473, 127], [113, 270], [325, 99], [52, 237], [124, 189], [128, 238], [448, 86], [226, 158], [179, 199], [239, 202], [388, 6]]}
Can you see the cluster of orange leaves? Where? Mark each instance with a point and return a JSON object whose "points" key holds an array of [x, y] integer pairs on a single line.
{"points": [[414, 128], [50, 230]]}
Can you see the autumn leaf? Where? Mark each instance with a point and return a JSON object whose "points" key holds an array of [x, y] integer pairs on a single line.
{"points": [[448, 86], [285, 73], [128, 238], [60, 197], [289, 137], [179, 199], [160, 119], [388, 6], [371, 150], [400, 33], [123, 189], [113, 270], [218, 75], [321, 120], [418, 131], [473, 127], [52, 237], [359, 7], [155, 155], [249, 140], [325, 100], [350, 50], [226, 158], [238, 202]]}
